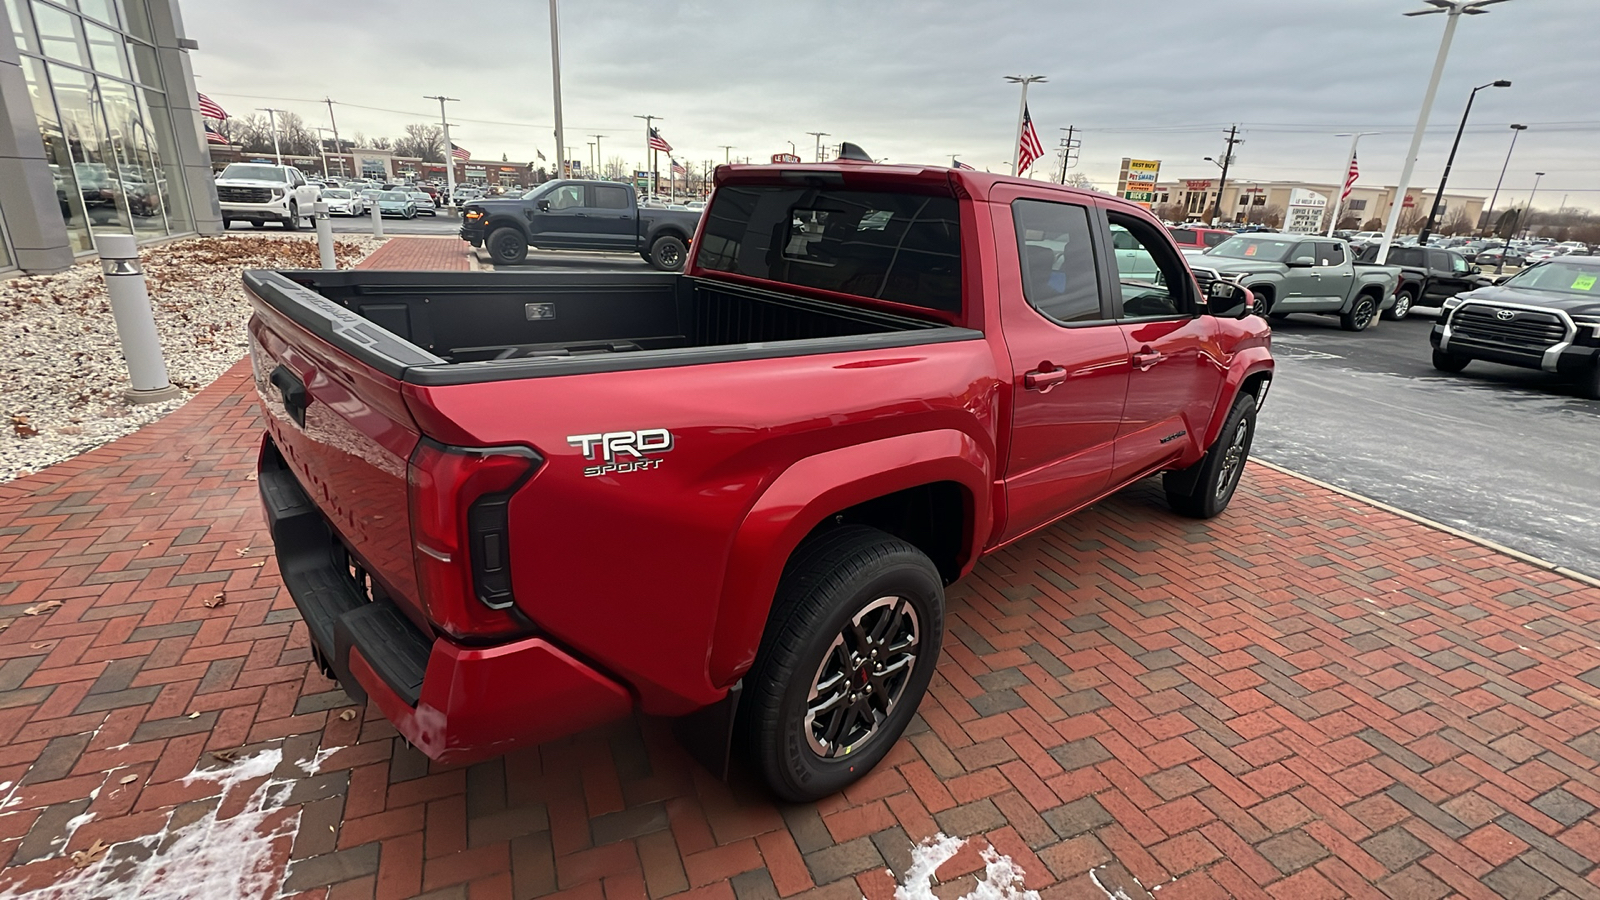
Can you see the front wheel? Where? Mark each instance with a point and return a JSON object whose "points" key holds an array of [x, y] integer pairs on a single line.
{"points": [[293, 222], [1360, 315], [226, 223], [1590, 385], [1403, 302], [849, 649], [668, 253], [1204, 489], [1445, 361], [507, 247]]}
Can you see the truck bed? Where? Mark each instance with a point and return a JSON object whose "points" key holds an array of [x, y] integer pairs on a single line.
{"points": [[458, 327]]}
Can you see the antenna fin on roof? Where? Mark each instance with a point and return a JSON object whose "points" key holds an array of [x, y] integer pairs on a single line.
{"points": [[848, 150]]}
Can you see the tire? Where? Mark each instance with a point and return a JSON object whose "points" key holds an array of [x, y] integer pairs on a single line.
{"points": [[1589, 386], [1445, 361], [1262, 306], [226, 223], [1203, 490], [293, 222], [668, 253], [834, 584], [1361, 314], [258, 223], [1403, 302], [507, 246]]}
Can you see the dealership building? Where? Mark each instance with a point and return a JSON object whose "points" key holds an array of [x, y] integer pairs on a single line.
{"points": [[99, 129]]}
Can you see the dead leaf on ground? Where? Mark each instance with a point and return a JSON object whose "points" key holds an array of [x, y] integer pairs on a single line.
{"points": [[20, 425], [250, 477], [84, 858], [194, 715], [347, 715], [259, 564], [145, 544], [225, 755], [44, 645], [216, 601], [44, 607], [128, 779], [244, 550]]}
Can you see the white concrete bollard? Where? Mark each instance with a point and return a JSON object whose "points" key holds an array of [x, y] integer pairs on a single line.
{"points": [[377, 220], [324, 234], [136, 324]]}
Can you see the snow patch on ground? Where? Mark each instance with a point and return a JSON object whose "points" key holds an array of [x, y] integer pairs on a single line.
{"points": [[1002, 878], [207, 858], [314, 765]]}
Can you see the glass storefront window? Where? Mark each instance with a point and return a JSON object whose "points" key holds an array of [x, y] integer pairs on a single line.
{"points": [[58, 34], [93, 158], [105, 49], [169, 173], [130, 143], [104, 10], [68, 194], [21, 25], [137, 20], [5, 247], [145, 69]]}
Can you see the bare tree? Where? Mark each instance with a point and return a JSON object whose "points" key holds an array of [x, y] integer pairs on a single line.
{"points": [[1080, 180], [1170, 212], [616, 168], [293, 135], [1349, 221], [1410, 220], [1270, 215], [1458, 222], [426, 142], [253, 133], [1373, 224]]}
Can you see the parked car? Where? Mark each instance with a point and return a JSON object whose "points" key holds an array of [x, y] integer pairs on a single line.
{"points": [[342, 202], [1198, 238], [1499, 256], [510, 506], [579, 215], [1428, 277], [1546, 316], [1292, 273], [259, 193], [369, 198], [423, 201], [398, 204], [465, 193]]}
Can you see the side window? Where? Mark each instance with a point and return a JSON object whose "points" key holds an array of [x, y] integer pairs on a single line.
{"points": [[1213, 238], [1438, 259], [610, 197], [1330, 254], [1059, 276], [1183, 237], [568, 196], [1154, 280], [1458, 264]]}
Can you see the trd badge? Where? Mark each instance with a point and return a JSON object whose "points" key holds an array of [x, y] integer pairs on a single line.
{"points": [[616, 452]]}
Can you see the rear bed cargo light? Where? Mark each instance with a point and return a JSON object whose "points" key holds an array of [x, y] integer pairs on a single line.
{"points": [[460, 499]]}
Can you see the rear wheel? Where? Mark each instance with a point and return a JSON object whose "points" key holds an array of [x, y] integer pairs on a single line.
{"points": [[1360, 315], [1445, 361], [1204, 489], [507, 246], [668, 253], [848, 652], [1403, 302]]}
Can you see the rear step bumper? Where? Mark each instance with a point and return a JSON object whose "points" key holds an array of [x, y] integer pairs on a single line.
{"points": [[456, 704]]}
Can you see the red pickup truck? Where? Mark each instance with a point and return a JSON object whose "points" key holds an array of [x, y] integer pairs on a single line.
{"points": [[511, 506]]}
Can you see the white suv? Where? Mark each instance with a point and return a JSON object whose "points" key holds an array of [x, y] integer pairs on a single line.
{"points": [[261, 193]]}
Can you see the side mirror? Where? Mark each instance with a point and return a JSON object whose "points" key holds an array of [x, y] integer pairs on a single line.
{"points": [[1301, 262], [544, 205], [1227, 300], [1474, 270]]}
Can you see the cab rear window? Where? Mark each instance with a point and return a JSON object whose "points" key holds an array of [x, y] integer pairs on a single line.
{"points": [[1183, 237], [904, 248]]}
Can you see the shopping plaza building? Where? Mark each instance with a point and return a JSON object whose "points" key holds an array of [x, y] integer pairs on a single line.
{"points": [[99, 130]]}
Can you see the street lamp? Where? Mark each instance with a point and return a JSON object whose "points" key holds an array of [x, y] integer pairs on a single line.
{"points": [[819, 135], [1345, 182], [1022, 113], [1438, 199], [726, 150], [1515, 130], [450, 149], [272, 117], [1453, 9], [1527, 221]]}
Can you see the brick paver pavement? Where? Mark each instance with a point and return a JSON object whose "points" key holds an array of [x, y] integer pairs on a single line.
{"points": [[1307, 697]]}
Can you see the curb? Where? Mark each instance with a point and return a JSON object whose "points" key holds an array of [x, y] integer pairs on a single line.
{"points": [[1528, 558]]}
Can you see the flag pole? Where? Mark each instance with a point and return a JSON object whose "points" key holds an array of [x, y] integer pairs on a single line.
{"points": [[1344, 177], [1022, 113]]}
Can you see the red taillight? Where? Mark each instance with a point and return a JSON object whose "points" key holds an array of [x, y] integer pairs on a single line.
{"points": [[459, 500]]}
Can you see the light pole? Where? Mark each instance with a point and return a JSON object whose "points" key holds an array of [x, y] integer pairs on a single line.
{"points": [[1222, 183], [599, 161], [791, 149], [1022, 112], [1344, 183], [555, 86], [649, 152], [726, 149], [1527, 222], [449, 151], [1515, 130], [819, 135], [1453, 10], [1438, 199], [272, 118]]}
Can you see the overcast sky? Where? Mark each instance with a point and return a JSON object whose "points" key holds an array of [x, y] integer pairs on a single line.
{"points": [[919, 81]]}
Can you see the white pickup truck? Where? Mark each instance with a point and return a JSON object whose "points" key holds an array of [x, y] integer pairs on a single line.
{"points": [[259, 193]]}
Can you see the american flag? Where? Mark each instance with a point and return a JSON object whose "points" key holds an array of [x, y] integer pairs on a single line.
{"points": [[459, 152], [657, 142], [961, 165], [678, 169], [210, 109], [1350, 179], [214, 136], [1029, 149]]}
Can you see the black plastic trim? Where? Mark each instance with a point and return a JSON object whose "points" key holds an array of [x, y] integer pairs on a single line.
{"points": [[333, 323]]}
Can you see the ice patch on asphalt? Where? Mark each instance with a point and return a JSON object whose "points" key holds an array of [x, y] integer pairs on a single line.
{"points": [[207, 858], [1002, 878]]}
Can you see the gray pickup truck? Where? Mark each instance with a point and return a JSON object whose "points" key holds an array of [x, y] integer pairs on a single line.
{"points": [[579, 215], [1298, 273]]}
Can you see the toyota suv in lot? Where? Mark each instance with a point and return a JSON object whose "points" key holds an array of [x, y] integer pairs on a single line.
{"points": [[513, 505], [258, 193], [1546, 316]]}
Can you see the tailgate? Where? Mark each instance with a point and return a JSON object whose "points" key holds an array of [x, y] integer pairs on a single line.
{"points": [[339, 422]]}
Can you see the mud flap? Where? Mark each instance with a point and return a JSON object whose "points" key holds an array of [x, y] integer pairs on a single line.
{"points": [[708, 733]]}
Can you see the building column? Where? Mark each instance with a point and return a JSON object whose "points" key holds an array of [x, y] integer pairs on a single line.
{"points": [[177, 77], [27, 187]]}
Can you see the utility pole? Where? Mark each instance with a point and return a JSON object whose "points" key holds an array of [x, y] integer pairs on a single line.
{"points": [[449, 152], [599, 161], [726, 149], [591, 156], [649, 151], [1069, 149], [1489, 229], [1222, 183], [555, 85], [338, 148], [1527, 220], [819, 135], [272, 118]]}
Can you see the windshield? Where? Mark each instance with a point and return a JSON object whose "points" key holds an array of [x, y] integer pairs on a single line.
{"points": [[1558, 278], [254, 173], [1263, 249], [395, 196], [336, 195]]}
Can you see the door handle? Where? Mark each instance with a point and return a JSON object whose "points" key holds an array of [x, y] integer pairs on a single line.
{"points": [[1144, 360], [1044, 378]]}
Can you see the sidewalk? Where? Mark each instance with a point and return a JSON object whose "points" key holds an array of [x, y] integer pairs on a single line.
{"points": [[1307, 697]]}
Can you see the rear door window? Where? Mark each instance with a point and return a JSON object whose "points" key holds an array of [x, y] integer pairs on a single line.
{"points": [[1329, 253], [1059, 276], [1438, 259], [900, 247], [610, 197]]}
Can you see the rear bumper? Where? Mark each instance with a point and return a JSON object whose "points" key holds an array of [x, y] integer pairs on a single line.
{"points": [[457, 704]]}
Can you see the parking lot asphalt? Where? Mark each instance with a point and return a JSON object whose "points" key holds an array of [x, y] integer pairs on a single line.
{"points": [[1500, 452]]}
